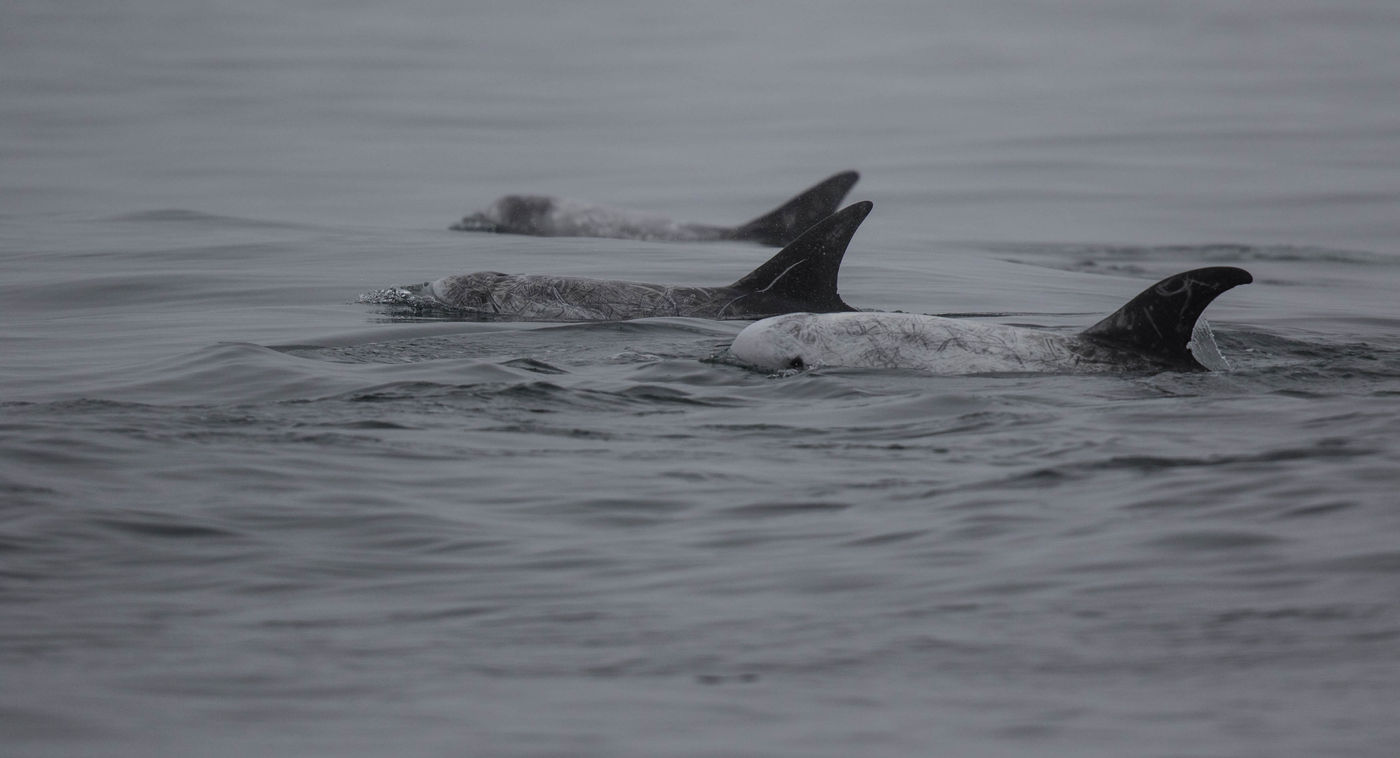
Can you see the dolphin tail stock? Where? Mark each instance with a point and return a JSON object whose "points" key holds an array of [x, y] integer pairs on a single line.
{"points": [[1160, 320], [787, 222], [806, 270]]}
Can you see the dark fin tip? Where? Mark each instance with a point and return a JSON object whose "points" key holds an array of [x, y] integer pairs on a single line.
{"points": [[806, 271], [786, 223], [1160, 320]]}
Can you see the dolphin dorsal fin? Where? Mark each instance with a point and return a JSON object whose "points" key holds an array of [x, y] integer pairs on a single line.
{"points": [[1158, 322], [806, 270], [791, 219]]}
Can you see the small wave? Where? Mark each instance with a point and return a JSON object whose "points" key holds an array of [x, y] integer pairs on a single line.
{"points": [[1324, 449], [183, 216], [1313, 368], [523, 391], [163, 525], [548, 346], [535, 365], [1200, 541], [776, 509], [1140, 259], [1387, 562]]}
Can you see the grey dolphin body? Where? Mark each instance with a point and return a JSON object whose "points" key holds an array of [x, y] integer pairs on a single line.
{"points": [[800, 277], [546, 216], [1157, 330]]}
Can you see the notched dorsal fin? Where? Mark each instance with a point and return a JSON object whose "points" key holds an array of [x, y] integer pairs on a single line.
{"points": [[1158, 322], [791, 219], [806, 270]]}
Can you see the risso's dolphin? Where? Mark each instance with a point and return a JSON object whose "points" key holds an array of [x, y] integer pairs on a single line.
{"points": [[546, 216], [1157, 330], [800, 277]]}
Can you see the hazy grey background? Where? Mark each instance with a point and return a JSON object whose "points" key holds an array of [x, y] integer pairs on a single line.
{"points": [[240, 513], [1136, 122]]}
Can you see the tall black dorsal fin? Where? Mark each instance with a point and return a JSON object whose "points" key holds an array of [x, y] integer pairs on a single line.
{"points": [[806, 270], [791, 219], [1158, 322]]}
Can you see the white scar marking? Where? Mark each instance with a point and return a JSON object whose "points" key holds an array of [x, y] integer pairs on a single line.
{"points": [[783, 274]]}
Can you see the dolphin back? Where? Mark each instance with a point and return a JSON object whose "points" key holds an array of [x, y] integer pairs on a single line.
{"points": [[805, 272], [1158, 322], [786, 223]]}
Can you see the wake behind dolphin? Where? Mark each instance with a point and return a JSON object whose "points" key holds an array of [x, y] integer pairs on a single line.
{"points": [[800, 277], [1157, 330], [546, 216]]}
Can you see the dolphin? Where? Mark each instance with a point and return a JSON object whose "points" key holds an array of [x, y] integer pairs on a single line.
{"points": [[1157, 330], [800, 277], [546, 216]]}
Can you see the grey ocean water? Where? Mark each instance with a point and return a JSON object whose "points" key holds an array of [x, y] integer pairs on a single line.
{"points": [[242, 514]]}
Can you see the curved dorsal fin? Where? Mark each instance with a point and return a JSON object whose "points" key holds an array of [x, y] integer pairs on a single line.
{"points": [[806, 270], [1158, 322], [786, 223]]}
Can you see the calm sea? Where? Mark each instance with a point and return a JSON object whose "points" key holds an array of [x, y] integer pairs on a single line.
{"points": [[242, 514]]}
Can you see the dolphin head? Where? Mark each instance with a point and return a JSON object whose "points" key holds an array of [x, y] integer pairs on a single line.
{"points": [[778, 343], [515, 214], [476, 222]]}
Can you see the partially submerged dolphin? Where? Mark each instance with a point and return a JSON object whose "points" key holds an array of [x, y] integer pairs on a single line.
{"points": [[1157, 330], [558, 217], [800, 277]]}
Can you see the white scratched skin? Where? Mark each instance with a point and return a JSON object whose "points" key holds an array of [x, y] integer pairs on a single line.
{"points": [[929, 343], [562, 298]]}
